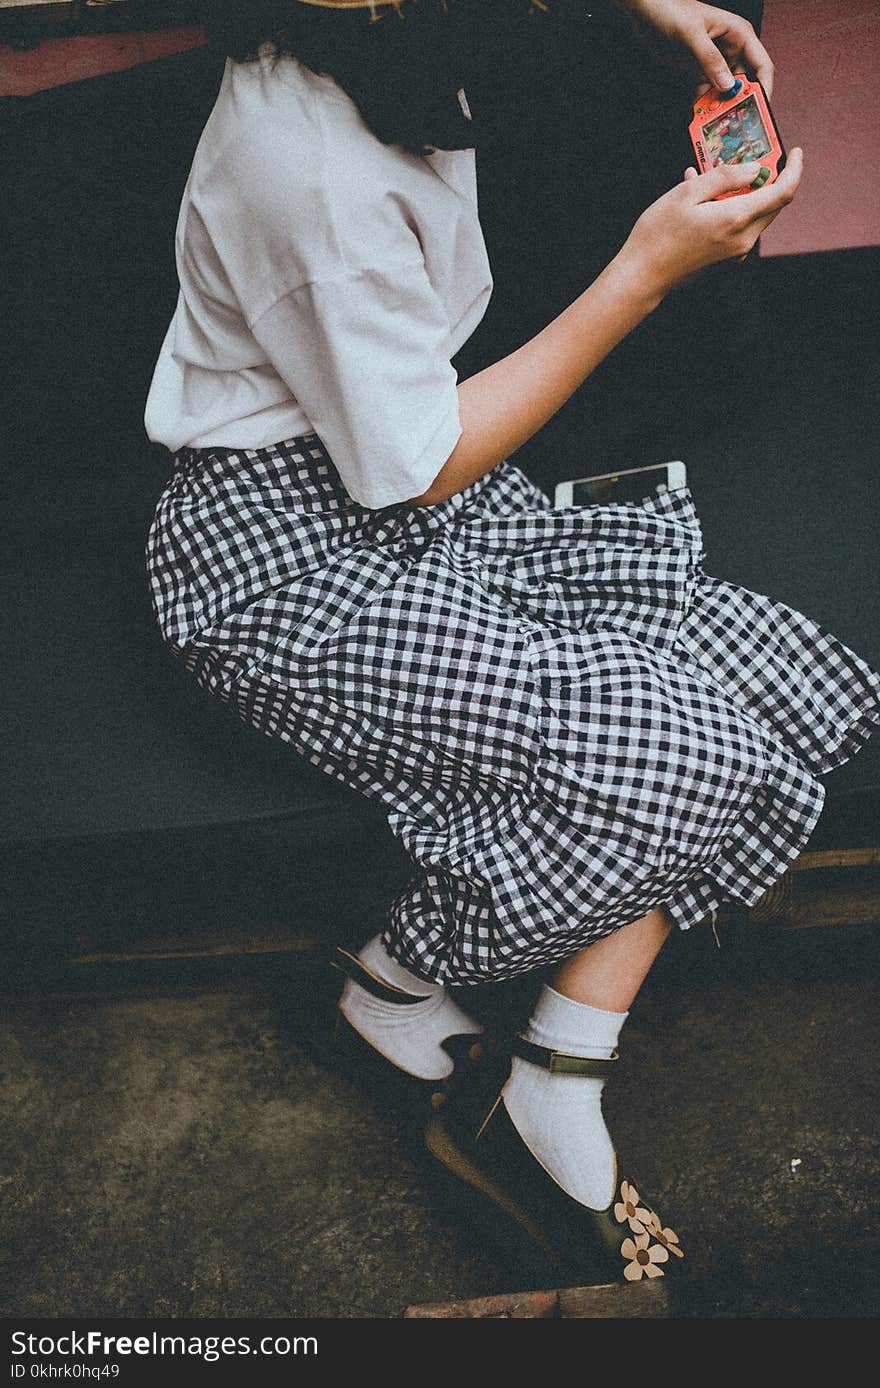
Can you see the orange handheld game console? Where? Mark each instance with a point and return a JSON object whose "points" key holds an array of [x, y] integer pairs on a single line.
{"points": [[737, 127]]}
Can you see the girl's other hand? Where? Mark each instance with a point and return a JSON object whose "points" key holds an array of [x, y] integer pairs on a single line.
{"points": [[685, 231], [715, 42]]}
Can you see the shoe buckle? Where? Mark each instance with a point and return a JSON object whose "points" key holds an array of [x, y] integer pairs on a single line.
{"points": [[560, 1062]]}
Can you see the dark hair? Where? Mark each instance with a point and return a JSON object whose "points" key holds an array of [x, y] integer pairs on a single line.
{"points": [[403, 71]]}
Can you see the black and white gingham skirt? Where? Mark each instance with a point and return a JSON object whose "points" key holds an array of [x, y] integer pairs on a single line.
{"points": [[565, 719]]}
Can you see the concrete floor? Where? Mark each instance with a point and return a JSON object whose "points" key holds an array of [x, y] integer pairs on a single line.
{"points": [[202, 1155]]}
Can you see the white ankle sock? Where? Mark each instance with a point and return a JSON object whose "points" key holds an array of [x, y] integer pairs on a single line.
{"points": [[559, 1117], [407, 1034]]}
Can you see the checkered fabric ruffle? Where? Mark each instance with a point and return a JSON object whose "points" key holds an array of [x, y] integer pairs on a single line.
{"points": [[566, 721]]}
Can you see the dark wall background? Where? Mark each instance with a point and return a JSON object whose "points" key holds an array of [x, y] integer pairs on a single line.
{"points": [[596, 131]]}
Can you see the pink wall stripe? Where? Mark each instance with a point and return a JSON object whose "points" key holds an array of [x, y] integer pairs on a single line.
{"points": [[59, 60], [827, 57]]}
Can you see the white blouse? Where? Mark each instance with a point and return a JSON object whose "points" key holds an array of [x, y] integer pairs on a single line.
{"points": [[326, 279]]}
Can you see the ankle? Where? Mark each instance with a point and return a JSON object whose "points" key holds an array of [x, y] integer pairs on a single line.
{"points": [[561, 1024], [377, 959]]}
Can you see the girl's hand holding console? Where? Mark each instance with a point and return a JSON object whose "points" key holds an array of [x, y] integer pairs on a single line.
{"points": [[686, 230]]}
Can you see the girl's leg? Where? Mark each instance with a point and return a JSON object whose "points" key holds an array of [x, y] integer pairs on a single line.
{"points": [[559, 1117], [585, 1006], [610, 973]]}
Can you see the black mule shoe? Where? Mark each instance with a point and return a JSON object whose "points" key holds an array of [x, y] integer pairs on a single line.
{"points": [[371, 1065], [626, 1241]]}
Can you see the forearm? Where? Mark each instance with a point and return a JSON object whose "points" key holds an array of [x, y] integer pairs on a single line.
{"points": [[506, 403]]}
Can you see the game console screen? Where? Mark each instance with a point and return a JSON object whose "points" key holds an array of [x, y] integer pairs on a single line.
{"points": [[737, 136]]}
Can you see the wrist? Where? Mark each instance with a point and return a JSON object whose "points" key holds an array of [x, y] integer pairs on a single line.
{"points": [[637, 280]]}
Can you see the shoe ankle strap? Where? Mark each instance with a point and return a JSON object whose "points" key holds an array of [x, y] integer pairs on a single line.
{"points": [[350, 965], [560, 1063]]}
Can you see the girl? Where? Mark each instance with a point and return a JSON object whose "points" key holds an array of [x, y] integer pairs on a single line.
{"points": [[581, 738]]}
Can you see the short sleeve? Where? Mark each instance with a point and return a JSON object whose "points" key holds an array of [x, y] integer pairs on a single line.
{"points": [[365, 353]]}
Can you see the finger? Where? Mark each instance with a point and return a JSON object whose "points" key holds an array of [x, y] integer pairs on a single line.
{"points": [[757, 225], [689, 174], [703, 87], [766, 202], [760, 224], [724, 178], [758, 61], [745, 51], [711, 60]]}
